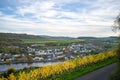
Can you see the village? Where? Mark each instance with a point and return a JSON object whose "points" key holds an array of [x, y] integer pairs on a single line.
{"points": [[71, 51]]}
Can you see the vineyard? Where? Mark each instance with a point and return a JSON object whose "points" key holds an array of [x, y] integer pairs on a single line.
{"points": [[49, 72]]}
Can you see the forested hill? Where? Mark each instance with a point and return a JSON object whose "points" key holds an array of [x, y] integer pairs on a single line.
{"points": [[26, 36], [99, 38], [17, 36], [87, 38]]}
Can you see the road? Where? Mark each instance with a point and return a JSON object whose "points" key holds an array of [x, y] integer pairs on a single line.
{"points": [[100, 74]]}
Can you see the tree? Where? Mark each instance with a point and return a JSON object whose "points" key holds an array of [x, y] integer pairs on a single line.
{"points": [[116, 28], [30, 58], [4, 49]]}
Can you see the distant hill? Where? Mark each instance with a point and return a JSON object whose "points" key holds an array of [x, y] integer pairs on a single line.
{"points": [[99, 38], [17, 36], [26, 36], [87, 38], [57, 37]]}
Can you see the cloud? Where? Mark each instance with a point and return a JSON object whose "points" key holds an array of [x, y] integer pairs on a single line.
{"points": [[58, 17]]}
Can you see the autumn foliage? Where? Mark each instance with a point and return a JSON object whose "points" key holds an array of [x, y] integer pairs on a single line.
{"points": [[49, 71]]}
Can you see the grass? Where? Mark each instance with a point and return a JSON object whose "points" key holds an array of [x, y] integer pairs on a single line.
{"points": [[49, 47], [74, 74], [45, 40]]}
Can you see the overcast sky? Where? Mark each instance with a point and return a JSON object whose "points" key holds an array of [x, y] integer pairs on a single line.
{"points": [[59, 17]]}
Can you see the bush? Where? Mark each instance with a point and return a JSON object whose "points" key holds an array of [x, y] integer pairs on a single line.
{"points": [[8, 61], [115, 76], [11, 70], [8, 72]]}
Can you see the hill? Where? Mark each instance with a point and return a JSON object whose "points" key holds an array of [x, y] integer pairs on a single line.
{"points": [[99, 38], [17, 36], [86, 38], [57, 37], [25, 38]]}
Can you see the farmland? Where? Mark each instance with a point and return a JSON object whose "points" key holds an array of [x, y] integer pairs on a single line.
{"points": [[49, 40]]}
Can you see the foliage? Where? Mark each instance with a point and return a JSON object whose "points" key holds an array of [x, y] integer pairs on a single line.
{"points": [[8, 61], [11, 70], [30, 58], [116, 28], [12, 49], [16, 36], [73, 75], [116, 75], [50, 71], [9, 74]]}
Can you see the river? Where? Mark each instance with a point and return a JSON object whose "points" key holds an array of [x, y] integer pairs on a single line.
{"points": [[18, 66]]}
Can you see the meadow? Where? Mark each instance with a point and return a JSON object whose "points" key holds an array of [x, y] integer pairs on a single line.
{"points": [[49, 40]]}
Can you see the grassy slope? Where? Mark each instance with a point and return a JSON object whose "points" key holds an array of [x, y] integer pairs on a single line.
{"points": [[79, 72]]}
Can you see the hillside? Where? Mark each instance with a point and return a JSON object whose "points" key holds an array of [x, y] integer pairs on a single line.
{"points": [[111, 38], [17, 36], [27, 36], [9, 38]]}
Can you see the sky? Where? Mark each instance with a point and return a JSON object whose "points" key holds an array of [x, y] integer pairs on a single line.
{"points": [[70, 18]]}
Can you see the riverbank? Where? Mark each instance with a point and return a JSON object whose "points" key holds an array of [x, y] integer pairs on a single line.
{"points": [[17, 62], [19, 66], [79, 72], [68, 70]]}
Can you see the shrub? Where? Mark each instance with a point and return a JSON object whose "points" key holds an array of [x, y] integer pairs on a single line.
{"points": [[11, 70]]}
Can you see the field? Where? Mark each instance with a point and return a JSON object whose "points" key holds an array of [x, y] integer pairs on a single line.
{"points": [[45, 40], [49, 47]]}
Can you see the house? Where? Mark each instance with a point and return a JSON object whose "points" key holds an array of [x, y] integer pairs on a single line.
{"points": [[38, 58], [40, 52], [58, 53]]}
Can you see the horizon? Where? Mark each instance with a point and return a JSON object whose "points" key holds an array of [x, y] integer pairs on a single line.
{"points": [[56, 36], [68, 18]]}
